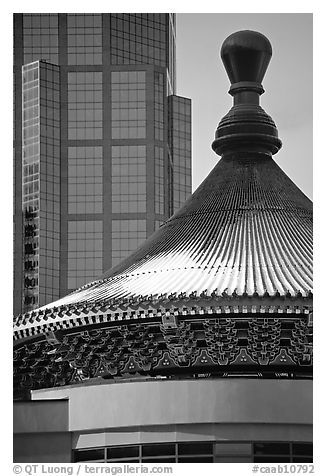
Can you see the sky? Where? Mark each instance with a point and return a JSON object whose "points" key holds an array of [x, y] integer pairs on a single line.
{"points": [[288, 84]]}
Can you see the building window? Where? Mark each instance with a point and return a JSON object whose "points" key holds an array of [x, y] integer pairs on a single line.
{"points": [[85, 105], [198, 452], [302, 452], [90, 455], [84, 38], [85, 172], [159, 180], [279, 452], [128, 104], [158, 106], [85, 251], [127, 235], [40, 37], [129, 179], [171, 70], [180, 145], [139, 38], [233, 452]]}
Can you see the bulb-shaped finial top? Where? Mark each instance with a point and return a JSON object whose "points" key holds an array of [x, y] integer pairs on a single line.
{"points": [[246, 55], [246, 128]]}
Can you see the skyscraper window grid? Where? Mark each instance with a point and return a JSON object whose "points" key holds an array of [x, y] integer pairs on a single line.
{"points": [[138, 38], [85, 105], [129, 179], [158, 106], [85, 179], [171, 70], [159, 180], [84, 38], [180, 130], [85, 251], [40, 32], [128, 104]]}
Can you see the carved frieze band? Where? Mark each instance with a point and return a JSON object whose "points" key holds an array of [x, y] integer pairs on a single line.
{"points": [[151, 348]]}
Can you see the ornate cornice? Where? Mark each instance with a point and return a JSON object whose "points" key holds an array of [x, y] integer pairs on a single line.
{"points": [[167, 345]]}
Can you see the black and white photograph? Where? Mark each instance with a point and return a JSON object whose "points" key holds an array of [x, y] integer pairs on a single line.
{"points": [[162, 242]]}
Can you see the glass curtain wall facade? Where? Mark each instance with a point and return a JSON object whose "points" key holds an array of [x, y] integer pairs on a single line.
{"points": [[112, 155], [40, 182], [180, 149]]}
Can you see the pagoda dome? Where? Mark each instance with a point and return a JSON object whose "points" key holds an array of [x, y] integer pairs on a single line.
{"points": [[240, 248]]}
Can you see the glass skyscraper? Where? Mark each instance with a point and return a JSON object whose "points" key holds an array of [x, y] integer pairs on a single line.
{"points": [[102, 145]]}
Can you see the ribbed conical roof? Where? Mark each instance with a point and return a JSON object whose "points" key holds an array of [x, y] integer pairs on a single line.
{"points": [[246, 231]]}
